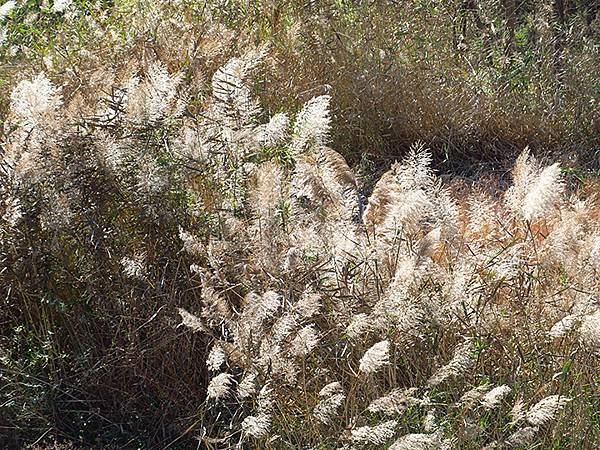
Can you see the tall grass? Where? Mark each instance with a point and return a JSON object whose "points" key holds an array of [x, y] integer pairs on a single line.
{"points": [[475, 81], [187, 262]]}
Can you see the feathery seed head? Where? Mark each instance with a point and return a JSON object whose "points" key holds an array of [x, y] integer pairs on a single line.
{"points": [[216, 357], [191, 321], [270, 303], [257, 426], [470, 398], [265, 399], [415, 169], [293, 258], [543, 194], [535, 191], [589, 331], [305, 341], [328, 407], [134, 267], [564, 325], [376, 435], [546, 409], [395, 402], [247, 387], [150, 100], [359, 325], [234, 103], [523, 437], [267, 195], [6, 8], [330, 389], [518, 411], [312, 124], [13, 212], [191, 243], [458, 365], [308, 305], [430, 423], [375, 357], [219, 386], [284, 326], [274, 132], [418, 441], [61, 5], [33, 101], [493, 398]]}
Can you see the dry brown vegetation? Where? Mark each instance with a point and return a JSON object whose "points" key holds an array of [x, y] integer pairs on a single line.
{"points": [[188, 261]]}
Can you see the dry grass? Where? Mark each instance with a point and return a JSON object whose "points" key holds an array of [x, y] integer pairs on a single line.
{"points": [[182, 266], [475, 81]]}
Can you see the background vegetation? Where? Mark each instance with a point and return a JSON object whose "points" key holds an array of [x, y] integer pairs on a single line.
{"points": [[475, 80]]}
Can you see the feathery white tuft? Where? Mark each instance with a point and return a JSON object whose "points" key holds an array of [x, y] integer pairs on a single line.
{"points": [[14, 211], [6, 8], [312, 124], [234, 103], [34, 100], [589, 331], [284, 326], [418, 441], [415, 169], [269, 304], [395, 402], [134, 267], [472, 397], [309, 305], [191, 321], [332, 397], [153, 98], [535, 191], [191, 243], [564, 326], [61, 5], [305, 341], [458, 365], [274, 132], [216, 358], [430, 422], [376, 435], [257, 426], [359, 325], [523, 437], [375, 358], [543, 194], [268, 192], [265, 399], [331, 389], [518, 411], [219, 386], [247, 387], [546, 410], [493, 398]]}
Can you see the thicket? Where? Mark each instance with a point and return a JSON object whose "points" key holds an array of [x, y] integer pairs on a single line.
{"points": [[186, 262]]}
